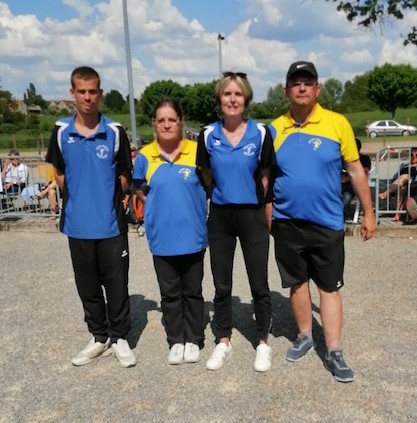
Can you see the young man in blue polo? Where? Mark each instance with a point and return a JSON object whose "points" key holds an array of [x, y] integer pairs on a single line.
{"points": [[310, 144], [92, 165]]}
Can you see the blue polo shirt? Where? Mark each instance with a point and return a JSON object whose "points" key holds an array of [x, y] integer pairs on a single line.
{"points": [[175, 207], [235, 170], [92, 195], [309, 161]]}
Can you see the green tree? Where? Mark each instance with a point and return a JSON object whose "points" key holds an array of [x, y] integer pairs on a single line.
{"points": [[114, 101], [393, 86], [6, 95], [157, 91], [371, 12], [355, 95], [200, 102], [331, 94], [31, 97], [9, 116], [259, 111], [276, 101]]}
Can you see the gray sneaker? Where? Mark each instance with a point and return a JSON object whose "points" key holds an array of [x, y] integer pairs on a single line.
{"points": [[300, 347], [335, 363]]}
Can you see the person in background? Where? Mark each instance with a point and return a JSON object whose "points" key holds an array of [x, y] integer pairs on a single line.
{"points": [[14, 174], [235, 157], [141, 224], [347, 189], [91, 159], [175, 219], [405, 176], [311, 143], [50, 191], [133, 153]]}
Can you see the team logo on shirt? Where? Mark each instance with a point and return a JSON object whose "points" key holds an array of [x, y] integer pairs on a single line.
{"points": [[249, 149], [185, 172], [102, 152], [217, 142], [71, 140], [316, 143]]}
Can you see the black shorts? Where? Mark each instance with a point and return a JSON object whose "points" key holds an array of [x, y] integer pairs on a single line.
{"points": [[304, 250]]}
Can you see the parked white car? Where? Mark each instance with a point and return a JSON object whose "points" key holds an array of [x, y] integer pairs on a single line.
{"points": [[389, 127]]}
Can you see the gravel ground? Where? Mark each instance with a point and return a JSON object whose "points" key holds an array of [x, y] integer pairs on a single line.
{"points": [[43, 328]]}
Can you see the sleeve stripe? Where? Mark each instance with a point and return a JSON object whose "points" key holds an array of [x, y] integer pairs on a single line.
{"points": [[262, 130], [115, 127], [61, 128]]}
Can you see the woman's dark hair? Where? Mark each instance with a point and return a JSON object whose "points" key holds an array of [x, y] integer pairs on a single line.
{"points": [[174, 104]]}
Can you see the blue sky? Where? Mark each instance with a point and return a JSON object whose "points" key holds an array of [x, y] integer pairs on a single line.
{"points": [[41, 41]]}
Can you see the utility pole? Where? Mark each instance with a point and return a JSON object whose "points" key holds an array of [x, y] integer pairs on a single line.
{"points": [[220, 38], [130, 79]]}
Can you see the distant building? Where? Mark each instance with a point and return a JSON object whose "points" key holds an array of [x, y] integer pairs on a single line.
{"points": [[34, 109], [21, 107], [61, 105]]}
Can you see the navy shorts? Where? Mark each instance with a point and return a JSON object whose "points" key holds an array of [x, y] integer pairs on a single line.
{"points": [[304, 250]]}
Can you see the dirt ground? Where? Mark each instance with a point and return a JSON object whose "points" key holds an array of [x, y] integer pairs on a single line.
{"points": [[42, 329]]}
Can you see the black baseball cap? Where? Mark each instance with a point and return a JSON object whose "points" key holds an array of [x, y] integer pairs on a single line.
{"points": [[302, 66]]}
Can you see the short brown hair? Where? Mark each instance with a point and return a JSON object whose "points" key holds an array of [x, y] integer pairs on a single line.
{"points": [[84, 72]]}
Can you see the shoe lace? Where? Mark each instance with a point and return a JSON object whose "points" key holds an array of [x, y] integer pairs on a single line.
{"points": [[300, 339], [338, 357]]}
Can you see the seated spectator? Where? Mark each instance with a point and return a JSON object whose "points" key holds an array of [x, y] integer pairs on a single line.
{"points": [[14, 174], [406, 175], [347, 189], [50, 191]]}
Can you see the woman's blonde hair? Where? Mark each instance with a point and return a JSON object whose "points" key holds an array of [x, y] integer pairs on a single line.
{"points": [[240, 79]]}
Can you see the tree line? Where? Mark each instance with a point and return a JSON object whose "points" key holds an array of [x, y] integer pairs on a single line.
{"points": [[387, 88]]}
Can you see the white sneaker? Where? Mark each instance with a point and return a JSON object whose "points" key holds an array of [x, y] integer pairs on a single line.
{"points": [[176, 354], [123, 353], [141, 230], [191, 353], [220, 354], [92, 350], [263, 358]]}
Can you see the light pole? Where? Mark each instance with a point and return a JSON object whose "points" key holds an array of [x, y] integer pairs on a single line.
{"points": [[129, 78], [220, 38]]}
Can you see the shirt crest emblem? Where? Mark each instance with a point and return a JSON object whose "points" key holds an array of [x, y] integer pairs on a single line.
{"points": [[102, 151], [316, 142], [249, 149]]}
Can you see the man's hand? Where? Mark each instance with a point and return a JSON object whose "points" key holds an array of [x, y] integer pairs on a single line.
{"points": [[368, 227]]}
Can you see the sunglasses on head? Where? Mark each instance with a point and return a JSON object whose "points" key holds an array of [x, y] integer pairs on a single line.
{"points": [[234, 75]]}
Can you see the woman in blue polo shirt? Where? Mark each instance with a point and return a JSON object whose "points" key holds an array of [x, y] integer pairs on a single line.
{"points": [[234, 159], [165, 177]]}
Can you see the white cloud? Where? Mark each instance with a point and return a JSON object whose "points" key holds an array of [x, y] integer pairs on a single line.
{"points": [[266, 36], [266, 10], [357, 57], [83, 8], [395, 52]]}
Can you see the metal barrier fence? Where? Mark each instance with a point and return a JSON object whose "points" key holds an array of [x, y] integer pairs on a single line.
{"points": [[391, 162], [28, 198]]}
